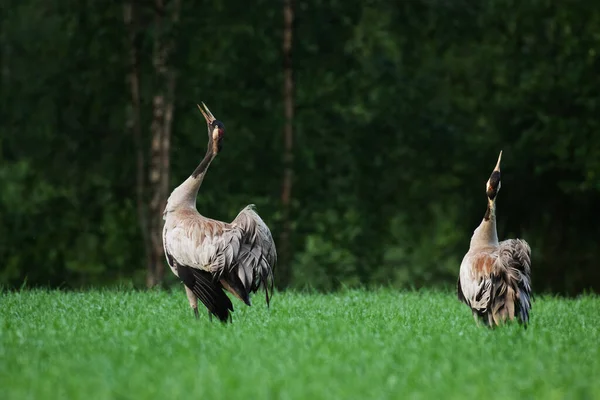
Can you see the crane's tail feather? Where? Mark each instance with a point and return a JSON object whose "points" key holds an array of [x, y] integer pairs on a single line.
{"points": [[511, 283], [250, 273], [247, 257], [234, 285], [209, 291], [267, 280]]}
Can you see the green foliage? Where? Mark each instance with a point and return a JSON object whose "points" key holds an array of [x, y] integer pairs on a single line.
{"points": [[401, 110], [354, 344]]}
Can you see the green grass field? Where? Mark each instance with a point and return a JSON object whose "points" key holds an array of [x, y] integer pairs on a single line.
{"points": [[356, 344]]}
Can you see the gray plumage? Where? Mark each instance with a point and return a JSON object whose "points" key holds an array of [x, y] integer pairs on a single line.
{"points": [[211, 256], [495, 277]]}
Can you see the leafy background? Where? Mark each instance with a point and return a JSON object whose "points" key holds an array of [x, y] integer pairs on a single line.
{"points": [[401, 109]]}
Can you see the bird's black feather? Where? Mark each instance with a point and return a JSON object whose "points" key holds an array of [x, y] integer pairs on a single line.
{"points": [[210, 292]]}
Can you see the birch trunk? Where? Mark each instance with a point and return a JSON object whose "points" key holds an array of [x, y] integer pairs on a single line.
{"points": [[160, 130]]}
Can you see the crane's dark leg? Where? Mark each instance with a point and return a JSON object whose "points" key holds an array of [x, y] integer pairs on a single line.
{"points": [[196, 313], [209, 316]]}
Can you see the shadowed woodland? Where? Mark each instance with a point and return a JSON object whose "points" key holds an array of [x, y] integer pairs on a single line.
{"points": [[364, 132]]}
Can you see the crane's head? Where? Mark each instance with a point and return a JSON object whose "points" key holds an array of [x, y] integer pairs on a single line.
{"points": [[492, 186], [216, 129]]}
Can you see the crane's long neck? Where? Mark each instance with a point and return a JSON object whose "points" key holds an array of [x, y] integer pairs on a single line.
{"points": [[201, 169], [185, 194], [485, 234]]}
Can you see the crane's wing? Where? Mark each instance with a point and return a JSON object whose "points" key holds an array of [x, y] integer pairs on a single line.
{"points": [[198, 243], [202, 284], [241, 255], [476, 290], [459, 293], [501, 284]]}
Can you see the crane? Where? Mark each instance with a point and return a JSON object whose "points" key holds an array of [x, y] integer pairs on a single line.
{"points": [[210, 256], [495, 277]]}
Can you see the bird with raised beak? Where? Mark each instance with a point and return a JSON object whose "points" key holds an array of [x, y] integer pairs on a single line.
{"points": [[210, 256], [495, 277]]}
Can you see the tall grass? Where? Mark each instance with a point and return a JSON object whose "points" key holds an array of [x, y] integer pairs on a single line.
{"points": [[355, 344]]}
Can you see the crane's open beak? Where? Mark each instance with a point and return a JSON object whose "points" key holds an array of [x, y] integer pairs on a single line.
{"points": [[497, 168], [207, 114]]}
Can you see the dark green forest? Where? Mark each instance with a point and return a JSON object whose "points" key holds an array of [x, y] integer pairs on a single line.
{"points": [[364, 131]]}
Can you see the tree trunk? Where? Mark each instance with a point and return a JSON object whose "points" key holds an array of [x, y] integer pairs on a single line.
{"points": [[131, 18], [285, 255], [160, 129], [170, 76]]}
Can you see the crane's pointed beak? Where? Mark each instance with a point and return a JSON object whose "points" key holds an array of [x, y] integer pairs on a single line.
{"points": [[493, 184], [497, 167], [207, 114]]}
